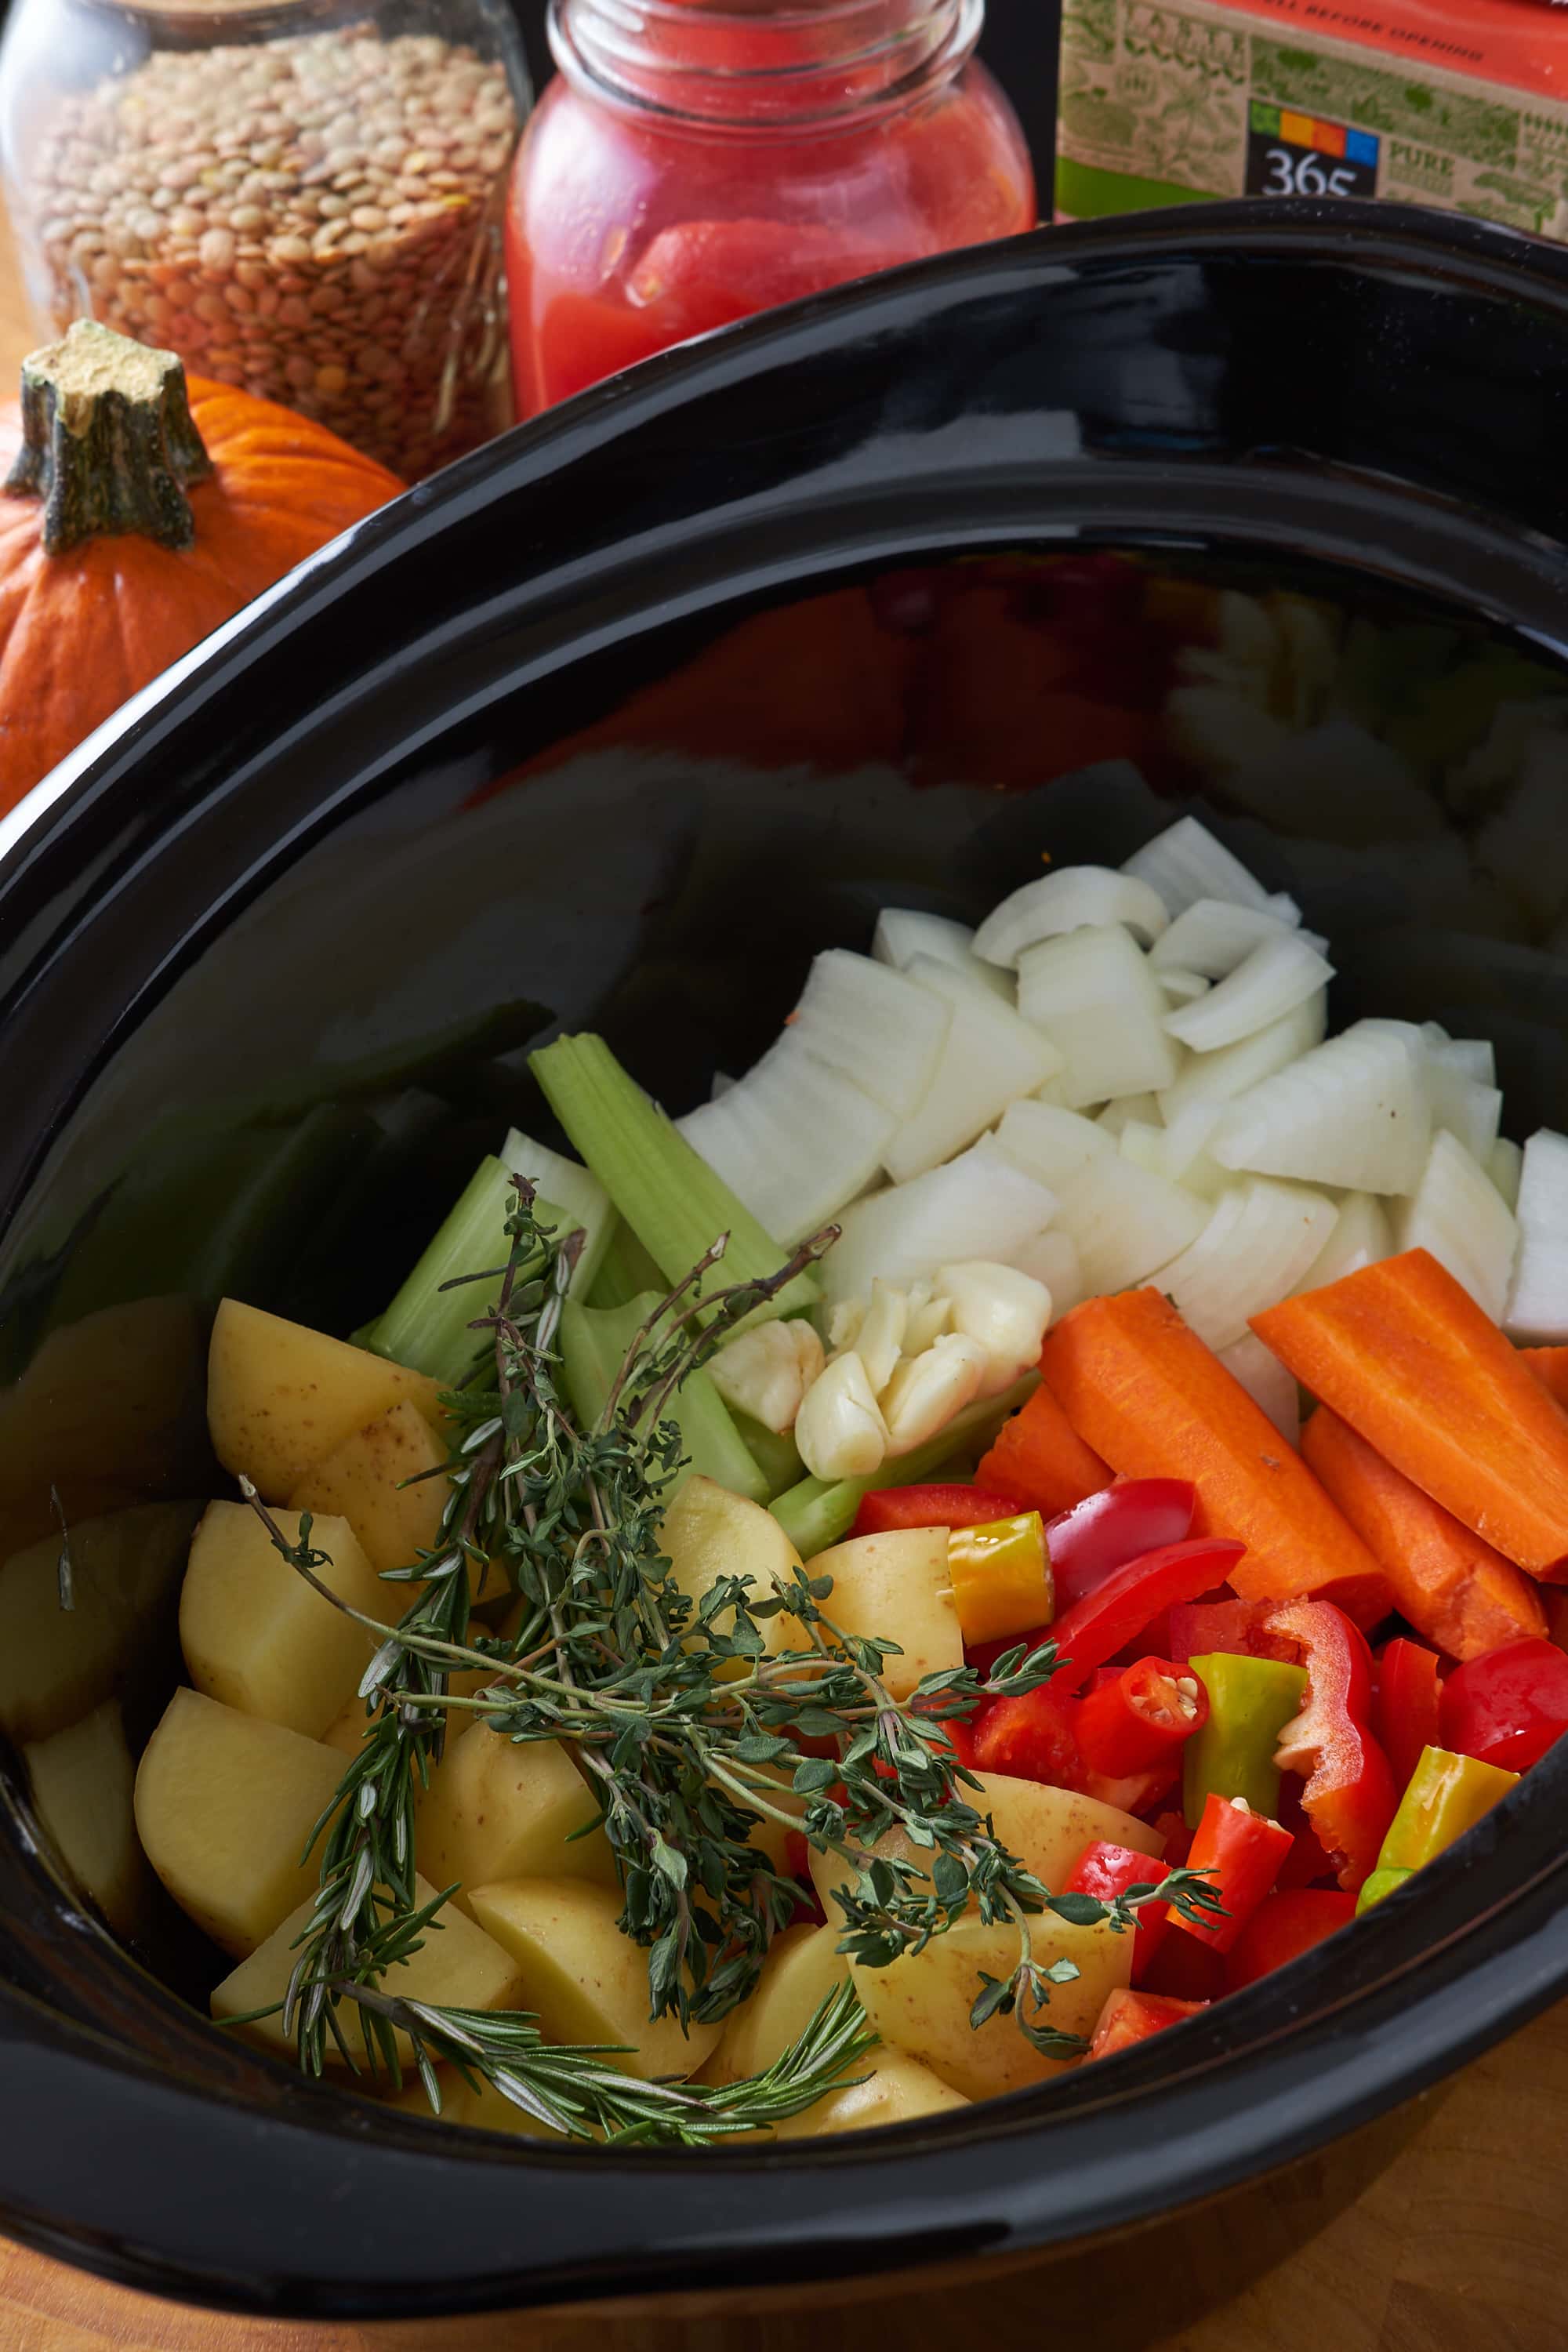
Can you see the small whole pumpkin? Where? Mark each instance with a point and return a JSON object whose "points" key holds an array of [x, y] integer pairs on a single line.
{"points": [[137, 513]]}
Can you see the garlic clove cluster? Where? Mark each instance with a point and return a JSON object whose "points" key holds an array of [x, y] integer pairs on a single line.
{"points": [[768, 1371]]}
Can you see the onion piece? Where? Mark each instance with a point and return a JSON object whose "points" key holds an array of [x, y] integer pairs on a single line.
{"points": [[978, 1205], [1213, 935], [1126, 1221], [881, 1029], [1186, 864], [1475, 1056], [1266, 1382], [1468, 1105], [1505, 1166], [904, 932], [1457, 1213], [1236, 1069], [1079, 898], [1353, 1113], [990, 1057], [1270, 981], [1116, 1115], [1093, 996], [1363, 1236], [1259, 1240], [1186, 1157], [794, 1140], [1183, 987], [1538, 1301], [1050, 1144], [1144, 1145], [1052, 1258]]}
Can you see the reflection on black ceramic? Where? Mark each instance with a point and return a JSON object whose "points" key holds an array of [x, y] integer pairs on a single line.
{"points": [[875, 603]]}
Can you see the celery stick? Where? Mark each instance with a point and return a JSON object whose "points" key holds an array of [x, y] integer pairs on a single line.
{"points": [[671, 1199], [624, 1270], [817, 1513], [584, 1202], [593, 1343], [778, 1458]]}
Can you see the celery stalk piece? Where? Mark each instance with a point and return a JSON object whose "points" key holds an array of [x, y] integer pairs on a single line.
{"points": [[817, 1513], [582, 1201], [777, 1457], [671, 1199], [624, 1270], [594, 1344]]}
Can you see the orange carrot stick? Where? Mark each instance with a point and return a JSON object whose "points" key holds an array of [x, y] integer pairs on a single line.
{"points": [[1550, 1366], [1402, 1351], [1143, 1389], [1039, 1457], [1455, 1588]]}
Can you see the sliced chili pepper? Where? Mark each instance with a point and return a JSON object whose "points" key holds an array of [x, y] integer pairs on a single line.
{"points": [[1306, 1864], [1141, 1716], [888, 1509], [1106, 1618], [1124, 1522], [1178, 1837], [1250, 1701], [1509, 1707], [1244, 1853], [1448, 1795], [1283, 1927], [1001, 1577], [1107, 1871], [1199, 1628], [1407, 1706], [1031, 1738], [1350, 1794], [1132, 2017], [1185, 1969]]}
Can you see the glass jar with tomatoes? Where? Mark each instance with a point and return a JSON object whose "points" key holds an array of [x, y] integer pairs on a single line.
{"points": [[693, 164]]}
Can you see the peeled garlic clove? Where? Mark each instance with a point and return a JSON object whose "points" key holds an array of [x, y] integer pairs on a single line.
{"points": [[843, 1323], [839, 1430], [927, 1322], [766, 1372], [927, 1390], [881, 1341], [1006, 1312]]}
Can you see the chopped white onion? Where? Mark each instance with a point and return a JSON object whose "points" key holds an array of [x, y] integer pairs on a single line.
{"points": [[1144, 1145], [903, 932], [881, 1029], [1284, 908], [1353, 1113], [1259, 1240], [1077, 899], [1457, 1213], [978, 1205], [1538, 1302], [793, 1140], [721, 1086], [990, 1057], [1116, 1115], [1270, 981], [1186, 864], [1464, 1099], [1052, 1258], [1186, 1156], [1236, 1069], [1363, 1236], [1183, 987], [1266, 1382], [1093, 996], [1505, 1166], [1213, 936], [1126, 1221], [1475, 1057], [1050, 1144]]}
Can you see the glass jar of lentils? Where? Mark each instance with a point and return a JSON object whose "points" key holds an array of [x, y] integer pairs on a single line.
{"points": [[303, 198]]}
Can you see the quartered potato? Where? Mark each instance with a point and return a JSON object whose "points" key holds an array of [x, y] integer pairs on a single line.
{"points": [[82, 1782], [281, 1398], [497, 1807], [257, 1637], [802, 1968], [709, 1533], [386, 1480], [894, 1586], [896, 2089]]}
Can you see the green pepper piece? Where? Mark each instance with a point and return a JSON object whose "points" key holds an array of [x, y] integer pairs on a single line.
{"points": [[1250, 1702], [1381, 1882], [1447, 1796]]}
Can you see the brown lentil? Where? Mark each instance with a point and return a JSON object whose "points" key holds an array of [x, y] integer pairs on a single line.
{"points": [[283, 213]]}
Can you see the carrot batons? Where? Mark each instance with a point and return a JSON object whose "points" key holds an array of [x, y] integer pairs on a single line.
{"points": [[1402, 1352], [1550, 1367], [1039, 1457], [1453, 1587], [1145, 1392]]}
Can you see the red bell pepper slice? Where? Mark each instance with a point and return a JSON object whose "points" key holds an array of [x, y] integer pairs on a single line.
{"points": [[1106, 1530], [1406, 1709], [1350, 1794], [1107, 1871], [1242, 1853], [1140, 1716], [1288, 1923], [1030, 1738], [1509, 1707], [1306, 1864], [1132, 2017], [1117, 1611], [1239, 1628], [891, 1509]]}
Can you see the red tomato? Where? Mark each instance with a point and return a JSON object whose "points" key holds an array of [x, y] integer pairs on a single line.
{"points": [[1283, 1928]]}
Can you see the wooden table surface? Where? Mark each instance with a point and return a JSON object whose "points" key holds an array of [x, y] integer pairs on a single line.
{"points": [[1461, 2246]]}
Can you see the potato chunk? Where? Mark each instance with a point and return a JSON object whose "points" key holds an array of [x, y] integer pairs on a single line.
{"points": [[502, 1808], [922, 2003], [896, 2089], [804, 1966], [586, 1981], [364, 1480], [82, 1782], [59, 1664], [257, 1637], [709, 1533], [458, 1966], [225, 1803], [281, 1398], [894, 1586]]}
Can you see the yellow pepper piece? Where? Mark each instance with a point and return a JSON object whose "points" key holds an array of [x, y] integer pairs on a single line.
{"points": [[1001, 1576], [1448, 1795]]}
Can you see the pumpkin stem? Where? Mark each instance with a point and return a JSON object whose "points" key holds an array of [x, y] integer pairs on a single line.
{"points": [[107, 440]]}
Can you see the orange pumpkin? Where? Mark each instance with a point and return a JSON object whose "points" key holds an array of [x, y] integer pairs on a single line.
{"points": [[139, 513]]}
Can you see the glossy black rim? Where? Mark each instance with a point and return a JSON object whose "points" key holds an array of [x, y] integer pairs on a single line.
{"points": [[180, 2190]]}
